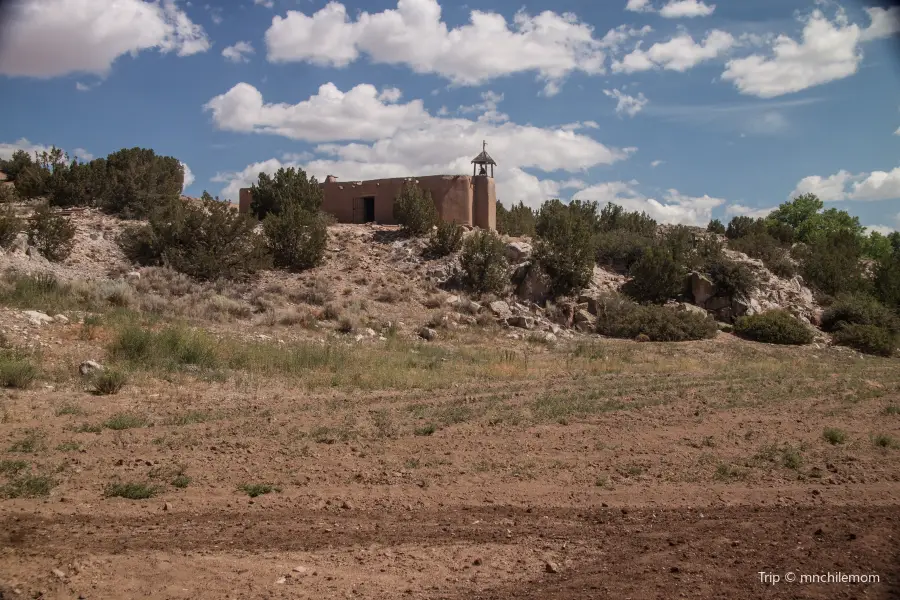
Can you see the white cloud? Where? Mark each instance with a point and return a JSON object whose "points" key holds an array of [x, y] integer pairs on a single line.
{"points": [[575, 184], [360, 114], [828, 51], [630, 105], [678, 54], [884, 23], [55, 37], [413, 34], [747, 211], [897, 132], [656, 163], [82, 154], [489, 102], [874, 186], [390, 95], [406, 141], [7, 149], [266, 3], [84, 87], [639, 6], [882, 229], [238, 52], [188, 176], [686, 9], [674, 208]]}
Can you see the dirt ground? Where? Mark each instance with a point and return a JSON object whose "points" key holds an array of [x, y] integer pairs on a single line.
{"points": [[608, 469]]}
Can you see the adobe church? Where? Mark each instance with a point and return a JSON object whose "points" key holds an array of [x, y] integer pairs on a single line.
{"points": [[463, 199]]}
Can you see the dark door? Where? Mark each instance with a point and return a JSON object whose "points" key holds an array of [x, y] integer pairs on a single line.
{"points": [[369, 209]]}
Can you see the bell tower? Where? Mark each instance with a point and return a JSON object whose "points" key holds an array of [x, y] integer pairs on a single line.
{"points": [[484, 194]]}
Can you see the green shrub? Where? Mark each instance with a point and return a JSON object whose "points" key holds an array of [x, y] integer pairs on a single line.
{"points": [[207, 240], [131, 491], [716, 226], [257, 489], [136, 181], [887, 280], [766, 248], [77, 184], [620, 249], [859, 309], [8, 193], [51, 233], [835, 436], [414, 209], [564, 247], [622, 318], [10, 226], [483, 262], [615, 218], [270, 194], [869, 339], [19, 161], [109, 381], [517, 221], [831, 263], [16, 370], [169, 348], [655, 277], [27, 485], [296, 237], [774, 327], [32, 182], [742, 226], [731, 277], [445, 240]]}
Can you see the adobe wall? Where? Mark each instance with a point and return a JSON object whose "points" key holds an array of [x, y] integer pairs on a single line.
{"points": [[484, 202], [452, 196]]}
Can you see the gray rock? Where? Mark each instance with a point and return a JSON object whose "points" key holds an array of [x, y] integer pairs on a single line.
{"points": [[551, 567], [583, 316], [370, 332], [37, 318], [89, 367], [518, 251], [61, 319], [133, 276], [427, 333], [535, 286], [521, 321], [500, 309], [590, 301], [686, 307], [702, 289]]}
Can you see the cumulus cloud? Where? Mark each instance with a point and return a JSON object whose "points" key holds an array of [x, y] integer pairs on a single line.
{"points": [[897, 132], [677, 54], [629, 105], [82, 154], [56, 37], [674, 207], [360, 114], [238, 52], [266, 3], [656, 163], [747, 211], [843, 185], [7, 149], [188, 176], [676, 9], [639, 6], [413, 34], [882, 229], [399, 140], [828, 50]]}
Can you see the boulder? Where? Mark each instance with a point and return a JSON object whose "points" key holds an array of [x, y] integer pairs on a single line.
{"points": [[535, 286], [590, 301], [717, 303], [585, 321], [517, 252], [63, 319], [89, 367], [37, 318], [521, 321], [742, 306], [686, 307], [133, 276], [500, 309], [427, 333], [702, 289]]}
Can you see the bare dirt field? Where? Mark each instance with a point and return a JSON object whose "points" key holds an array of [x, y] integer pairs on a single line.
{"points": [[474, 467]]}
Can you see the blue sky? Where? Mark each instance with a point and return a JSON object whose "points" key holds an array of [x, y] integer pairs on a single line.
{"points": [[683, 108]]}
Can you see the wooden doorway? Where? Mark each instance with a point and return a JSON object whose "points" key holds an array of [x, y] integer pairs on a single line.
{"points": [[364, 209]]}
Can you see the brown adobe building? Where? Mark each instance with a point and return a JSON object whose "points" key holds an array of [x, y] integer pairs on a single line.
{"points": [[458, 198]]}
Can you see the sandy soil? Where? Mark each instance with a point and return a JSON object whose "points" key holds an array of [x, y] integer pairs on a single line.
{"points": [[651, 471]]}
